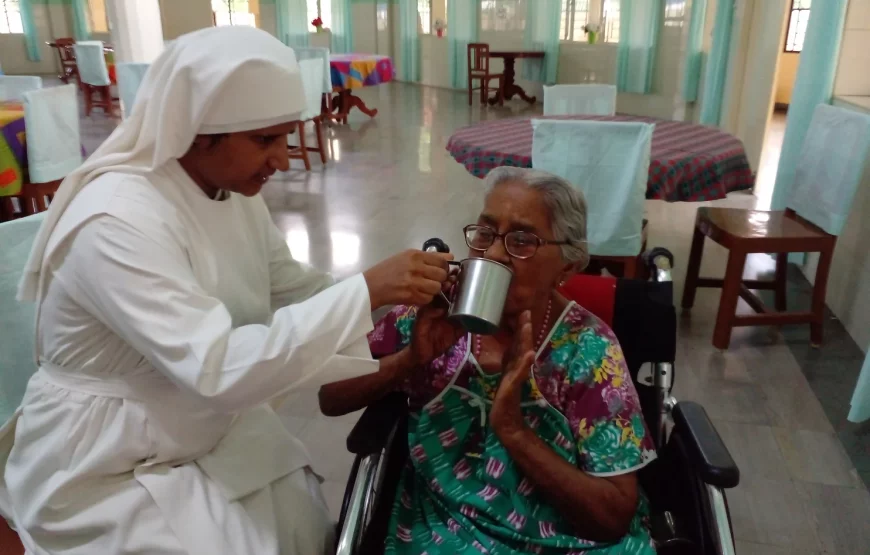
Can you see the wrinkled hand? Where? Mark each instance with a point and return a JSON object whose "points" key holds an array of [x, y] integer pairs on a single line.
{"points": [[412, 277], [433, 334], [506, 416]]}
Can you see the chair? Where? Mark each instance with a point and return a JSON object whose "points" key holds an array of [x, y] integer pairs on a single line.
{"points": [[609, 162], [828, 173], [580, 100], [54, 149], [17, 339], [312, 80], [321, 54], [130, 76], [94, 76], [13, 87], [478, 68], [67, 57], [685, 485]]}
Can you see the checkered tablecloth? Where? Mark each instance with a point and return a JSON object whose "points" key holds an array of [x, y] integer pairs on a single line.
{"points": [[689, 163]]}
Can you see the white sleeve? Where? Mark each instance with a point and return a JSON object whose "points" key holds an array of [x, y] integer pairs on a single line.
{"points": [[291, 280], [144, 290]]}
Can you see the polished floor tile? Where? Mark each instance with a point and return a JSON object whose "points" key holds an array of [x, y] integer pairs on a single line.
{"points": [[840, 517], [772, 512]]}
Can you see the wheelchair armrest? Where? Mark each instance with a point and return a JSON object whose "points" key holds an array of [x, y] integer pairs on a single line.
{"points": [[707, 451], [372, 431]]}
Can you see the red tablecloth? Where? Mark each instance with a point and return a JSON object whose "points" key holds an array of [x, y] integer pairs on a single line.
{"points": [[691, 163]]}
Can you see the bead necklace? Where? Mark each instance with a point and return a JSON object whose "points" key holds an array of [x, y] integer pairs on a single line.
{"points": [[541, 336]]}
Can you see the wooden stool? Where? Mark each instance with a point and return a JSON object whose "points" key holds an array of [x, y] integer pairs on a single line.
{"points": [[301, 152], [744, 232]]}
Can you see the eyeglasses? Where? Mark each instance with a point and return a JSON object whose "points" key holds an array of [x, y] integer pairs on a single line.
{"points": [[518, 244]]}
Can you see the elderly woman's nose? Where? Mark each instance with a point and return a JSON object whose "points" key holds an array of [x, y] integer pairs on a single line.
{"points": [[497, 252]]}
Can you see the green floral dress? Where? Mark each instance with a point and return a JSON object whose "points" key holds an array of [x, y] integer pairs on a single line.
{"points": [[462, 494]]}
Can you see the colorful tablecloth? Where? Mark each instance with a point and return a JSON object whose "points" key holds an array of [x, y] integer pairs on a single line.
{"points": [[690, 163], [354, 71], [13, 156]]}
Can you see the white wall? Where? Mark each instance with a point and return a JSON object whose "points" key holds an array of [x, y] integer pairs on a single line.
{"points": [[785, 76], [183, 16], [853, 78]]}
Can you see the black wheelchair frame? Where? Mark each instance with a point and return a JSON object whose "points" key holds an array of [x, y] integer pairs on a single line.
{"points": [[684, 485]]}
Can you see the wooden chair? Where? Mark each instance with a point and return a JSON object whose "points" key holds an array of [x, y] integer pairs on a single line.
{"points": [[94, 79], [628, 267], [312, 83], [826, 179], [36, 197], [301, 152], [67, 56], [9, 542], [478, 68]]}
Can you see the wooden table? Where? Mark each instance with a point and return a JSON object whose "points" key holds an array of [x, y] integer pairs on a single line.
{"points": [[355, 71], [510, 86]]}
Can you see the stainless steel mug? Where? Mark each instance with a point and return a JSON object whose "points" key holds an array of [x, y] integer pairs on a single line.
{"points": [[480, 292]]}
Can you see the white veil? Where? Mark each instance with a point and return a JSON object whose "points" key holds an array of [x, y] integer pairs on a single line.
{"points": [[217, 80]]}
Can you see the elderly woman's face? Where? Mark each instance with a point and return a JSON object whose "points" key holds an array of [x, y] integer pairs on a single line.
{"points": [[514, 206]]}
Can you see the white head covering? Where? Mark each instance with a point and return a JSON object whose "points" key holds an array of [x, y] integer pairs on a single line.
{"points": [[217, 80]]}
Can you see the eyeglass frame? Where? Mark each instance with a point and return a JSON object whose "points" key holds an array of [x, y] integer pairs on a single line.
{"points": [[502, 236]]}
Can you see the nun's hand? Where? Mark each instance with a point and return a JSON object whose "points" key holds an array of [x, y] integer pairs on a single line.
{"points": [[413, 277]]}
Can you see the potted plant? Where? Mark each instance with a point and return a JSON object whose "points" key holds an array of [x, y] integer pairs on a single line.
{"points": [[591, 30], [440, 27], [318, 24]]}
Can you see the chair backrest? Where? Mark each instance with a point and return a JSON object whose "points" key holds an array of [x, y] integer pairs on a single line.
{"points": [[91, 62], [130, 76], [830, 167], [580, 100], [17, 362], [13, 87], [609, 163], [321, 54], [51, 119], [478, 57], [312, 82], [65, 49]]}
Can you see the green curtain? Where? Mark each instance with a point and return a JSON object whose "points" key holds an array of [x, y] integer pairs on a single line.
{"points": [[694, 51], [342, 27], [463, 19], [291, 22], [813, 85], [639, 26], [31, 37], [542, 33], [716, 73], [409, 39], [81, 21]]}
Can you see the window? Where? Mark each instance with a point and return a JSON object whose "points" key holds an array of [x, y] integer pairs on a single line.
{"points": [[502, 15], [10, 17], [98, 19], [675, 13], [424, 13], [383, 16], [610, 21], [575, 15], [797, 25], [232, 12], [321, 9]]}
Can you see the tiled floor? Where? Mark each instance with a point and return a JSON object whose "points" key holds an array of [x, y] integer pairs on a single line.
{"points": [[391, 185]]}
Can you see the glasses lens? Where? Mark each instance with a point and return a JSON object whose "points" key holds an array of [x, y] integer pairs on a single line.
{"points": [[521, 244], [479, 237]]}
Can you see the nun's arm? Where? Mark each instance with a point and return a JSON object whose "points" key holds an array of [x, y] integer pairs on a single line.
{"points": [[147, 294], [291, 281]]}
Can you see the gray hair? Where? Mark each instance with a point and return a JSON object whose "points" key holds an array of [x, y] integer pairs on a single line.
{"points": [[565, 204]]}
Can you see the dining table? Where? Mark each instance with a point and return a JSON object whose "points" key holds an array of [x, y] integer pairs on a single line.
{"points": [[351, 72], [510, 87], [688, 162]]}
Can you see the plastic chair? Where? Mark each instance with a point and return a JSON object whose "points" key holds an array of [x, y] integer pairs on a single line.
{"points": [[478, 68], [51, 117], [94, 76], [130, 76], [609, 162], [17, 359], [13, 87], [580, 100], [832, 160], [685, 485], [312, 79]]}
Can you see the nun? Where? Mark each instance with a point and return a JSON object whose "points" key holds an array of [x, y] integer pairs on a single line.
{"points": [[172, 322]]}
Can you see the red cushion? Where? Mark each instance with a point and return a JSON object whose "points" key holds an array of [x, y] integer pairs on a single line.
{"points": [[597, 294]]}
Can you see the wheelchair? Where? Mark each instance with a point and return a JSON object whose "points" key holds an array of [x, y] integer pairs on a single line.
{"points": [[684, 485]]}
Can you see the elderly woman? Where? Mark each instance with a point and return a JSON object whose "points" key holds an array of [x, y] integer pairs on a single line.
{"points": [[527, 441], [171, 320]]}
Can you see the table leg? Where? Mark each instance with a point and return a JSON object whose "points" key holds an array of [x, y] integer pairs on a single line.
{"points": [[345, 101], [510, 86]]}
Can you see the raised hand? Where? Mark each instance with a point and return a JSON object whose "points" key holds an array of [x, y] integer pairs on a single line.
{"points": [[506, 416], [432, 335], [412, 277]]}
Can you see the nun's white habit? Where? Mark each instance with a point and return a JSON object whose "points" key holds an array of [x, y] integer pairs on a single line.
{"points": [[169, 325]]}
